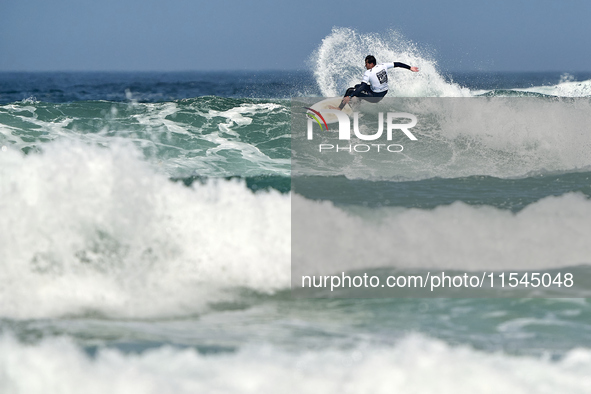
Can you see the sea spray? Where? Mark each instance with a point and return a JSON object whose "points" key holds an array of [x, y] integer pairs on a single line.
{"points": [[338, 64]]}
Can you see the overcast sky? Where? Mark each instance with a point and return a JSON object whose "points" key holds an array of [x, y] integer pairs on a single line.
{"points": [[158, 35]]}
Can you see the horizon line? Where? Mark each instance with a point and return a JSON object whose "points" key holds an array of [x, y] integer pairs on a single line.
{"points": [[268, 71]]}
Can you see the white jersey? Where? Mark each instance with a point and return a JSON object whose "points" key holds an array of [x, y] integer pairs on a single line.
{"points": [[377, 77]]}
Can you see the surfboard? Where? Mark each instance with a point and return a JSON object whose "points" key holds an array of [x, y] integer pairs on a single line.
{"points": [[331, 103]]}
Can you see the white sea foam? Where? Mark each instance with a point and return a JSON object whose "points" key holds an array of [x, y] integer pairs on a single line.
{"points": [[551, 233], [88, 229], [416, 364], [567, 87], [338, 64]]}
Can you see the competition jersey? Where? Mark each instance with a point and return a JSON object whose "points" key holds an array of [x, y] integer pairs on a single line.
{"points": [[377, 77]]}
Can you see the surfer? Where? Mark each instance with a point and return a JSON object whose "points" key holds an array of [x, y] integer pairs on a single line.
{"points": [[374, 85]]}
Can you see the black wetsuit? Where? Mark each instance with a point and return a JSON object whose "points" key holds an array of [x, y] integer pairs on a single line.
{"points": [[363, 90]]}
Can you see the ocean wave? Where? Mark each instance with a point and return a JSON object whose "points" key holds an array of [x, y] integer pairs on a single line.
{"points": [[206, 136], [338, 64], [562, 89], [567, 87], [98, 230], [510, 194], [101, 231], [551, 233], [415, 364]]}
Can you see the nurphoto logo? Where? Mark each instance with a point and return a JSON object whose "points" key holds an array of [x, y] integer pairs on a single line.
{"points": [[392, 124]]}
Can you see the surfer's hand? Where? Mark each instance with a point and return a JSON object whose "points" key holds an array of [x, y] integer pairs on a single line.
{"points": [[347, 99], [414, 69]]}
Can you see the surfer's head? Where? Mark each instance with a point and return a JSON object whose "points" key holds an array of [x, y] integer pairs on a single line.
{"points": [[370, 61]]}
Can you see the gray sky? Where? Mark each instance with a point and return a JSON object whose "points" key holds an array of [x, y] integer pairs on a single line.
{"points": [[158, 35]]}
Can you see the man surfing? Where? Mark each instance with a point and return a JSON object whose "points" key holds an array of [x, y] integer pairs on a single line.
{"points": [[374, 85]]}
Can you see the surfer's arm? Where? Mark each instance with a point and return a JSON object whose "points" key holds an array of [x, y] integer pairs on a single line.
{"points": [[398, 64]]}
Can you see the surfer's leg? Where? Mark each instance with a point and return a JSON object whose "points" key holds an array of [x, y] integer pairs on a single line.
{"points": [[348, 93], [373, 97], [351, 90]]}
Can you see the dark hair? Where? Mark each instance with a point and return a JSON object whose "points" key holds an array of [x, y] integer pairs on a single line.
{"points": [[370, 59]]}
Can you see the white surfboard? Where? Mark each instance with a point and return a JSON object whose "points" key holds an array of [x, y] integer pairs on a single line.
{"points": [[331, 103]]}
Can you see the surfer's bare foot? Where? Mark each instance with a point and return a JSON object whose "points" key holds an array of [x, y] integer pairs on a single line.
{"points": [[333, 107]]}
